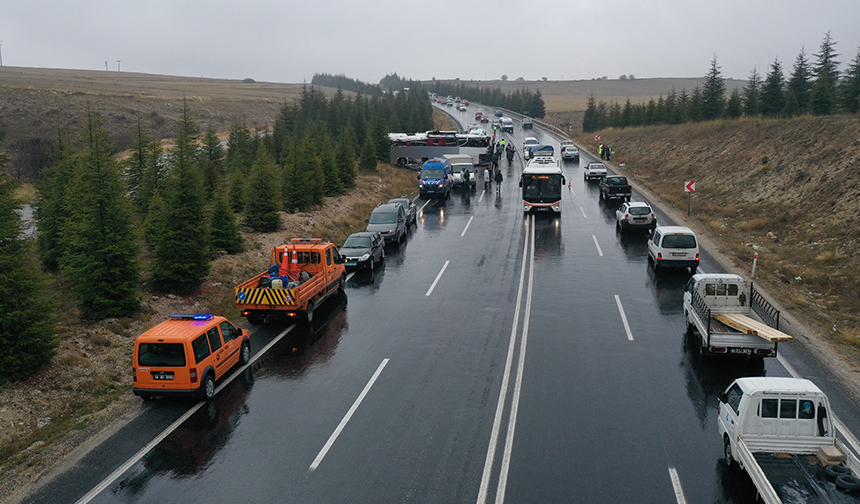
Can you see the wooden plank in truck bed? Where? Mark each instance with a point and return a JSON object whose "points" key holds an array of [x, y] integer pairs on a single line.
{"points": [[747, 325]]}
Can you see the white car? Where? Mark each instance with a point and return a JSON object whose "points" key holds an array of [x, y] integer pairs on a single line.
{"points": [[635, 215], [565, 143], [529, 142], [673, 247], [594, 171], [570, 153]]}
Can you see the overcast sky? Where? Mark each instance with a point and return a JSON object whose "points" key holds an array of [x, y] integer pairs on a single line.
{"points": [[290, 40]]}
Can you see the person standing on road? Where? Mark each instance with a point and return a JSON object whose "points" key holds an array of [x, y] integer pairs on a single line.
{"points": [[608, 151], [486, 178], [600, 151], [496, 155], [498, 181]]}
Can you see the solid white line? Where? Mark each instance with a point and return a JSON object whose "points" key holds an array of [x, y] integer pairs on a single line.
{"points": [[430, 290], [583, 212], [676, 484], [467, 226], [166, 432], [849, 437], [483, 192], [346, 417], [515, 402], [623, 318], [597, 245], [424, 205], [350, 275], [500, 405]]}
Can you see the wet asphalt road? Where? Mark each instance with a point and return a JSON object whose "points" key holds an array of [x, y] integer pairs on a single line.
{"points": [[428, 343]]}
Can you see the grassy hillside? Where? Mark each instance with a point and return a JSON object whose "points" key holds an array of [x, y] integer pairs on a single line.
{"points": [[789, 189]]}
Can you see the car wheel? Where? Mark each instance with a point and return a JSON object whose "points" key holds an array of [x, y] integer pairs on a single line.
{"points": [[309, 313], [727, 450], [207, 388], [245, 356]]}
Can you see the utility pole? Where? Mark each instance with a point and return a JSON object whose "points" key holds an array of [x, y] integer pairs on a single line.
{"points": [[106, 68], [1, 53], [117, 65]]}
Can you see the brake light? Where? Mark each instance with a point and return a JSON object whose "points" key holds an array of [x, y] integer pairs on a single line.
{"points": [[697, 256], [193, 374], [292, 314], [654, 217], [659, 256]]}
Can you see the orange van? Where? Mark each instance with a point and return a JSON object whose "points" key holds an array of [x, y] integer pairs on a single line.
{"points": [[186, 353]]}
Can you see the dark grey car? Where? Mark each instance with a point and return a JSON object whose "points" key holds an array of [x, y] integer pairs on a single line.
{"points": [[409, 207], [363, 250], [389, 220]]}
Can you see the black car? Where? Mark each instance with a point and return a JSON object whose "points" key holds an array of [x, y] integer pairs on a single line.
{"points": [[499, 113], [363, 250]]}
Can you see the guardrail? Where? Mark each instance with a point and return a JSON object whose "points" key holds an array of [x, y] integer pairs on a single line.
{"points": [[768, 313]]}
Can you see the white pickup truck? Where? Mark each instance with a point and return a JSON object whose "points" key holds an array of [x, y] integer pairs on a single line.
{"points": [[781, 432], [720, 309]]}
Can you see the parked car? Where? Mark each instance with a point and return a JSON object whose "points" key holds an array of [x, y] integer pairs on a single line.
{"points": [[615, 187], [635, 215], [389, 220], [409, 207], [673, 247], [570, 153], [363, 250]]}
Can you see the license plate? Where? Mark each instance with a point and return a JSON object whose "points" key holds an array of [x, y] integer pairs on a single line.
{"points": [[351, 264], [641, 219], [745, 351], [679, 254], [162, 376]]}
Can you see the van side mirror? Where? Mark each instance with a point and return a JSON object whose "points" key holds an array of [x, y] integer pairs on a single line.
{"points": [[367, 221], [418, 177], [723, 397]]}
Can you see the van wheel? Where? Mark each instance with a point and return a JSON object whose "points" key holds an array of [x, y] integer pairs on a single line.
{"points": [[309, 313], [207, 388], [245, 355], [689, 327], [730, 461]]}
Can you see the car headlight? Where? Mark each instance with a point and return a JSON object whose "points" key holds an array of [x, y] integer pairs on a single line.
{"points": [[364, 257]]}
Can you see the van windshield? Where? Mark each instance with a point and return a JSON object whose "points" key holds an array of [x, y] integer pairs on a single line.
{"points": [[161, 355], [682, 241], [428, 174], [383, 218]]}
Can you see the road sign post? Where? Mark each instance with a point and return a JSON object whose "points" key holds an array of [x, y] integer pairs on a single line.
{"points": [[689, 188]]}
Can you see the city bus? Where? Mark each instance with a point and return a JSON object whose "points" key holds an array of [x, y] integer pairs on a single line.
{"points": [[412, 149], [542, 181]]}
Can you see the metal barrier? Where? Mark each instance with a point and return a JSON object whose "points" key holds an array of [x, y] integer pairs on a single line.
{"points": [[768, 313]]}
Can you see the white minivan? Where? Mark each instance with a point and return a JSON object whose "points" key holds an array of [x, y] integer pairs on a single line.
{"points": [[673, 247]]}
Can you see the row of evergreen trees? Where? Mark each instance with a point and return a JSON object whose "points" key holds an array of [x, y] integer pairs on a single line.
{"points": [[523, 101], [341, 81], [812, 88], [104, 225]]}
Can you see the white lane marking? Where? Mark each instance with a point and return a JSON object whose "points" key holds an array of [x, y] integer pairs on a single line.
{"points": [[467, 226], [583, 212], [424, 205], [515, 402], [500, 405], [676, 485], [430, 290], [623, 317], [346, 417], [352, 274], [483, 192], [849, 436], [597, 245], [166, 432]]}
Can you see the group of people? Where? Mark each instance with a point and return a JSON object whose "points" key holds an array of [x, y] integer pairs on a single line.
{"points": [[497, 177], [605, 152]]}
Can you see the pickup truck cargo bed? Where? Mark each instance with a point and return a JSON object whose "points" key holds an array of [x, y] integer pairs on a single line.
{"points": [[800, 479]]}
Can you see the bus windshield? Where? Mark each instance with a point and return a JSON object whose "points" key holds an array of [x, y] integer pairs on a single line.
{"points": [[541, 188]]}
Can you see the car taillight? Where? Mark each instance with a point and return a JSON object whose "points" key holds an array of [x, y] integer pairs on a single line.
{"points": [[626, 216], [193, 374], [697, 256], [659, 256], [133, 374], [653, 217]]}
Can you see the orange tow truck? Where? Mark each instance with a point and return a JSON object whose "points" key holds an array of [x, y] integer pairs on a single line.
{"points": [[302, 274]]}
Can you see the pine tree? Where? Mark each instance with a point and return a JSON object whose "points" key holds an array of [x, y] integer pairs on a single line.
{"points": [[263, 201], [52, 212], [182, 252], [155, 225], [791, 107], [367, 163], [345, 158], [800, 82], [154, 178], [695, 110], [100, 255], [136, 165], [772, 92], [26, 310], [734, 107], [752, 94], [225, 231], [328, 161], [589, 118], [850, 87], [627, 114], [239, 155], [713, 93], [237, 191], [826, 70], [211, 163]]}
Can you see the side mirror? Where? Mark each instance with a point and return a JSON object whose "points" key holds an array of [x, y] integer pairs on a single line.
{"points": [[722, 397], [562, 180], [367, 221], [418, 177]]}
